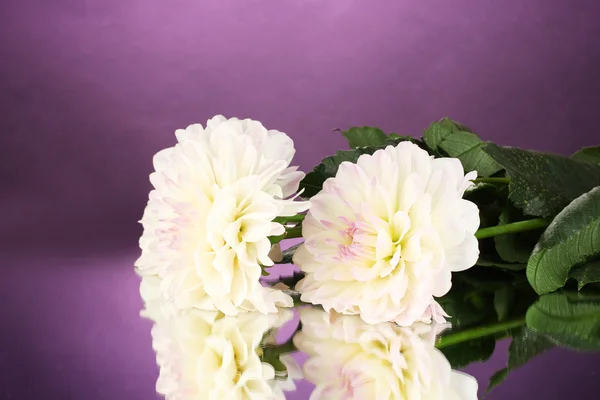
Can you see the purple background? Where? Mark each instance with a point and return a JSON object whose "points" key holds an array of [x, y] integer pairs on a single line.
{"points": [[90, 90]]}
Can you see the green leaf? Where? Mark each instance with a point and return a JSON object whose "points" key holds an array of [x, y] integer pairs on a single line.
{"points": [[525, 345], [362, 136], [465, 311], [466, 302], [570, 320], [313, 181], [571, 239], [449, 138], [288, 254], [504, 300], [588, 154], [483, 194], [481, 279], [512, 248], [394, 140], [488, 256], [497, 378], [586, 273], [477, 350], [500, 264], [543, 184], [393, 136]]}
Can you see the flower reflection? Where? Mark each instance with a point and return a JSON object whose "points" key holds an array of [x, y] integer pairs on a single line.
{"points": [[207, 355], [350, 359]]}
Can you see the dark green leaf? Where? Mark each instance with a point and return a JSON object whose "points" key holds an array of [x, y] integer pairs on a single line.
{"points": [[465, 311], [497, 378], [570, 320], [524, 297], [543, 184], [393, 136], [477, 350], [482, 279], [501, 264], [394, 140], [586, 273], [525, 345], [512, 248], [504, 300], [572, 238], [465, 308], [588, 154], [488, 256], [483, 194], [470, 300], [449, 138], [362, 136]]}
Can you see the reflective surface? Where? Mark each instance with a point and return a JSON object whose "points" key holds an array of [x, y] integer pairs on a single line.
{"points": [[92, 89], [207, 355], [76, 333]]}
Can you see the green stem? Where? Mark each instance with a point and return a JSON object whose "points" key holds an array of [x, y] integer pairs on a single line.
{"points": [[294, 232], [491, 180], [480, 331], [514, 227], [290, 233], [294, 218]]}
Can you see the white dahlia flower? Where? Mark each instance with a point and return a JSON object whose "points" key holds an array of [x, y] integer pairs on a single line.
{"points": [[350, 359], [207, 355], [206, 226], [384, 235]]}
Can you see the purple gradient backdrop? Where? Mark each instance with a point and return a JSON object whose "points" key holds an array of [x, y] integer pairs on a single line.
{"points": [[90, 90]]}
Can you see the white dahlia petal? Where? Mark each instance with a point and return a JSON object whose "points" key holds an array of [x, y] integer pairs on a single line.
{"points": [[349, 359], [384, 235], [464, 385], [206, 226]]}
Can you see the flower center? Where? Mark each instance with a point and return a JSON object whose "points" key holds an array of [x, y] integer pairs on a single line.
{"points": [[395, 259], [350, 381], [348, 233], [346, 247], [238, 370]]}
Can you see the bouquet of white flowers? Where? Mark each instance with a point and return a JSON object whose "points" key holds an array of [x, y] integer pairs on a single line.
{"points": [[496, 241]]}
